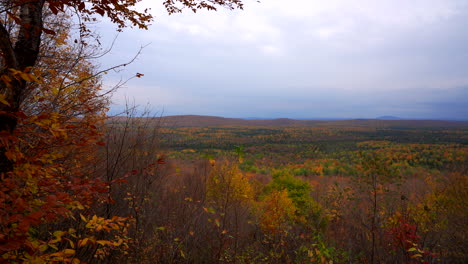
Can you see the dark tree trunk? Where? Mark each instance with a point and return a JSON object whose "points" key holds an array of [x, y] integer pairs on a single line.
{"points": [[19, 55], [7, 124]]}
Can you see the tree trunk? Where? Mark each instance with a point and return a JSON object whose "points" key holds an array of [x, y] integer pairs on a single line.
{"points": [[19, 55]]}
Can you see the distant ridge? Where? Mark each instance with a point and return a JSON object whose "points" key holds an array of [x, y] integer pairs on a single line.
{"points": [[216, 121], [197, 120], [389, 118]]}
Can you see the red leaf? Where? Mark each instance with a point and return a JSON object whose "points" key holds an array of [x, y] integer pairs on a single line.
{"points": [[81, 6], [121, 181], [35, 217], [21, 115], [43, 116], [24, 225], [54, 7], [11, 245], [51, 217], [100, 11], [48, 31]]}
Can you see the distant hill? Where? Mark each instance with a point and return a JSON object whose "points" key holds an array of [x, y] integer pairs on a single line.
{"points": [[215, 121], [389, 118], [197, 121]]}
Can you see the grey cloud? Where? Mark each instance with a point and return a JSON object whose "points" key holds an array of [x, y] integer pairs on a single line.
{"points": [[367, 70]]}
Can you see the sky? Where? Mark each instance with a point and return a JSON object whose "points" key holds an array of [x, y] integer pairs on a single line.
{"points": [[300, 59]]}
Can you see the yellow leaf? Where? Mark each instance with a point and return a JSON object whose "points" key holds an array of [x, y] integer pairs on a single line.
{"points": [[26, 77], [118, 243], [53, 241], [6, 79], [416, 256], [3, 101], [79, 205], [103, 242], [35, 260], [14, 71], [71, 243], [83, 218], [59, 234], [69, 252], [83, 242], [43, 248], [53, 246]]}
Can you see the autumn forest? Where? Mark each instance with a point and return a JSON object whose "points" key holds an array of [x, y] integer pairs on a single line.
{"points": [[78, 185]]}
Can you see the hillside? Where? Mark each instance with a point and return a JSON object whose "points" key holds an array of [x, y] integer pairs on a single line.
{"points": [[214, 121], [204, 121]]}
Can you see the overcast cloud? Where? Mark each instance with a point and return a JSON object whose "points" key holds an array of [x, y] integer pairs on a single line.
{"points": [[302, 59]]}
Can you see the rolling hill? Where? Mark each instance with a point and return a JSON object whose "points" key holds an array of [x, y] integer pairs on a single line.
{"points": [[214, 121]]}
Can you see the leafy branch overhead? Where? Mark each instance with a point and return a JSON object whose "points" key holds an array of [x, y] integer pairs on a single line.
{"points": [[23, 23], [177, 6]]}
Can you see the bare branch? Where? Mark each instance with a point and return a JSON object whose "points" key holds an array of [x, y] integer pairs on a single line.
{"points": [[109, 69]]}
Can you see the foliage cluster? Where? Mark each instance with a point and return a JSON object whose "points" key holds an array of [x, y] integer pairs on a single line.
{"points": [[55, 195]]}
